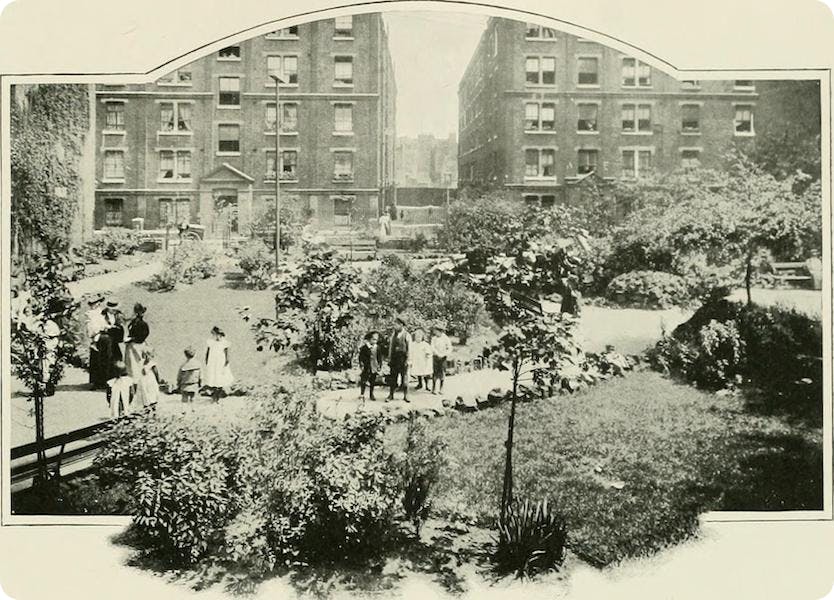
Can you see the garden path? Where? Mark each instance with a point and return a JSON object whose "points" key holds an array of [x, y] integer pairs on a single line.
{"points": [[338, 403], [112, 281]]}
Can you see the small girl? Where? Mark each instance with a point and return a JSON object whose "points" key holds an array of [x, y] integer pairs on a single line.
{"points": [[121, 391], [148, 384], [217, 370], [419, 359], [188, 378]]}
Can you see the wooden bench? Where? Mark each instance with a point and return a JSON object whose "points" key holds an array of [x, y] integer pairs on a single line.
{"points": [[791, 272], [66, 453], [356, 249]]}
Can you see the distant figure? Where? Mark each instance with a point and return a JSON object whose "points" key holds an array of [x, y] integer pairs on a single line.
{"points": [[182, 227], [137, 332], [370, 359], [189, 377], [398, 359], [441, 349], [147, 387], [218, 374], [120, 392], [384, 226], [420, 359]]}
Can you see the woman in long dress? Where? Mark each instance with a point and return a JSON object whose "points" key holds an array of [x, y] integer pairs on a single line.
{"points": [[108, 341], [218, 373], [137, 332]]}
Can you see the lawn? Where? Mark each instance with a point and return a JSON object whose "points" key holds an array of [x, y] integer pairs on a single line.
{"points": [[631, 463], [185, 316]]}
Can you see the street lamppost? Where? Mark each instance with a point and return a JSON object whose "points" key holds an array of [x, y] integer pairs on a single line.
{"points": [[278, 79]]}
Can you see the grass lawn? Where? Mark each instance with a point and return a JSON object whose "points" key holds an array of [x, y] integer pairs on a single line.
{"points": [[675, 451], [186, 315]]}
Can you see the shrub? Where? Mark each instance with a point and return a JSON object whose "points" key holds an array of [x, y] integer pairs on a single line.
{"points": [[314, 489], [396, 289], [285, 485], [419, 470], [257, 264], [110, 243], [178, 469], [719, 361], [187, 263], [531, 539], [648, 289], [726, 341]]}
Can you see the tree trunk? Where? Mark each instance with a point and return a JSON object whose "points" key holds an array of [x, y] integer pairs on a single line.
{"points": [[507, 494], [748, 276], [42, 474]]}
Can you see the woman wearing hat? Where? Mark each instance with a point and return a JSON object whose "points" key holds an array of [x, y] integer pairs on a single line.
{"points": [[137, 332], [95, 324], [109, 339]]}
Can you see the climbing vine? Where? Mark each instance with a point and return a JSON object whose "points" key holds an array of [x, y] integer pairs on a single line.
{"points": [[47, 133]]}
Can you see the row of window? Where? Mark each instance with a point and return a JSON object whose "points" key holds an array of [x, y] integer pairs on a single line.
{"points": [[176, 117], [177, 210], [284, 66], [175, 165], [541, 70], [635, 118], [540, 163]]}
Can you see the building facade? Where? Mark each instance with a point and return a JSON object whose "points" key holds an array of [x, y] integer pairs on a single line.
{"points": [[540, 110], [199, 143], [426, 161]]}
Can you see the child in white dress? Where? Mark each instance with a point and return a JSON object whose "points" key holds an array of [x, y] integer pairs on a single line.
{"points": [[147, 392], [217, 373], [419, 359]]}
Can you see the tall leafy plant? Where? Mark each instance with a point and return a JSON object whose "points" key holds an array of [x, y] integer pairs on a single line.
{"points": [[43, 338]]}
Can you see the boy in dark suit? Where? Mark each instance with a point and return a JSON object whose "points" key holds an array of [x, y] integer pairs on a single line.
{"points": [[370, 359]]}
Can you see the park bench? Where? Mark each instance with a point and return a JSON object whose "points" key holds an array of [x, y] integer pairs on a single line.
{"points": [[792, 272], [354, 249], [68, 452]]}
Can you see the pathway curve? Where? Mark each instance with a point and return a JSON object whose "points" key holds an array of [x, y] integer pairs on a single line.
{"points": [[112, 281]]}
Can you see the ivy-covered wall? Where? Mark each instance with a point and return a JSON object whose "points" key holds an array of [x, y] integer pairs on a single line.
{"points": [[49, 126]]}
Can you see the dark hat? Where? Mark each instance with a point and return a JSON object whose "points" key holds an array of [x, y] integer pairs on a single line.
{"points": [[112, 304], [98, 298]]}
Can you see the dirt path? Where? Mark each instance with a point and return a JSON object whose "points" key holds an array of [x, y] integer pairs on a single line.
{"points": [[114, 281]]}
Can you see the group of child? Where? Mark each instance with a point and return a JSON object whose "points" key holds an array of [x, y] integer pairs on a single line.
{"points": [[129, 393], [407, 356]]}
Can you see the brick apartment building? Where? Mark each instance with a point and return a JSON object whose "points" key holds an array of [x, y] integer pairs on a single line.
{"points": [[541, 109], [198, 144]]}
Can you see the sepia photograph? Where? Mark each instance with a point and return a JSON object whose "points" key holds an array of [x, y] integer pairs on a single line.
{"points": [[434, 302]]}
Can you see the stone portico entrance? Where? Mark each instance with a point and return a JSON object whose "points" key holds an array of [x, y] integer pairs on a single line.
{"points": [[226, 202]]}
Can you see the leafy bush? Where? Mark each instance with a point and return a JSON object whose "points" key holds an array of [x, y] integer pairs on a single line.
{"points": [[720, 357], [397, 290], [110, 243], [531, 539], [283, 486], [724, 342], [179, 470], [257, 263], [263, 226], [187, 263], [419, 470], [649, 289]]}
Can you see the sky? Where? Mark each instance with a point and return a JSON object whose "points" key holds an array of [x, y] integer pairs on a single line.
{"points": [[430, 51]]}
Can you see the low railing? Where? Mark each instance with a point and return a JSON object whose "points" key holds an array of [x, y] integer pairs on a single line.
{"points": [[70, 452]]}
